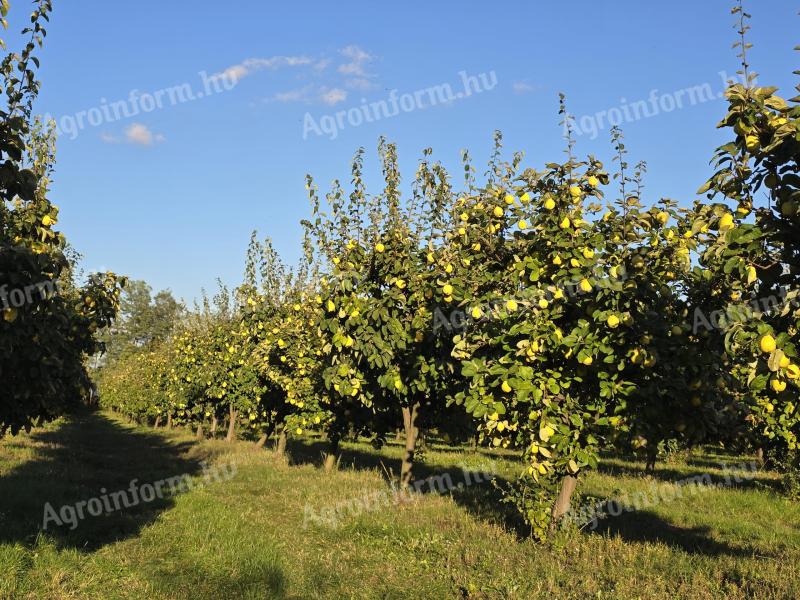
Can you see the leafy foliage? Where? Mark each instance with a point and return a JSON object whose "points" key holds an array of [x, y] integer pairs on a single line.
{"points": [[49, 325]]}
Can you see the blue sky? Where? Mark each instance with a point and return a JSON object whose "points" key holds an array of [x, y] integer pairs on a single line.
{"points": [[171, 195]]}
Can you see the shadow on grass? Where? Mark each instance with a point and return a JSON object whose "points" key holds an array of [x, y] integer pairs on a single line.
{"points": [[89, 455], [252, 579], [470, 488], [693, 469], [721, 463], [646, 527], [484, 499]]}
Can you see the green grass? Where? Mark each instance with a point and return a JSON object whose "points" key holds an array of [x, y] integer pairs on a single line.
{"points": [[244, 538]]}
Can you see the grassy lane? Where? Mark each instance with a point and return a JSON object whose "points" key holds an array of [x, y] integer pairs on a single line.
{"points": [[245, 537]]}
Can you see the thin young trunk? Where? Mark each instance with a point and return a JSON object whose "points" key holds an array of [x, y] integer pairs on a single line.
{"points": [[169, 421], [158, 422], [398, 436], [332, 457], [650, 464], [561, 505], [200, 435], [760, 456], [232, 426], [261, 441], [280, 449], [213, 426], [411, 431]]}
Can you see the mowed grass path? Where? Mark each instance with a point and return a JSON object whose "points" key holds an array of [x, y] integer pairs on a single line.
{"points": [[245, 538]]}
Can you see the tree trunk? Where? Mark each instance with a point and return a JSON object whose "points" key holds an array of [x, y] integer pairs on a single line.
{"points": [[280, 448], [261, 441], [200, 435], [232, 427], [169, 421], [561, 505], [760, 456], [412, 431], [332, 457], [650, 464], [158, 422], [398, 436], [213, 426]]}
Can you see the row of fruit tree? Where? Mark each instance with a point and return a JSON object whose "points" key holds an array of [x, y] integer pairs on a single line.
{"points": [[554, 311]]}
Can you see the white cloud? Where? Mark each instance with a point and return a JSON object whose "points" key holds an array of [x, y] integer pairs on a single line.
{"points": [[136, 133], [141, 135], [360, 83], [322, 64], [234, 73], [276, 62], [291, 96], [522, 87], [309, 94], [358, 60], [332, 96], [251, 65], [302, 94], [349, 75], [109, 138]]}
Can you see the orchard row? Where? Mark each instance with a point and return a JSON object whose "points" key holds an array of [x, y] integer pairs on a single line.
{"points": [[578, 314]]}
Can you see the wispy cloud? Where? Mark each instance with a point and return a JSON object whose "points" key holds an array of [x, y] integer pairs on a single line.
{"points": [[109, 138], [358, 59], [251, 65], [361, 84], [309, 94], [332, 96], [299, 95], [136, 133], [322, 64], [523, 87], [141, 135], [331, 87]]}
